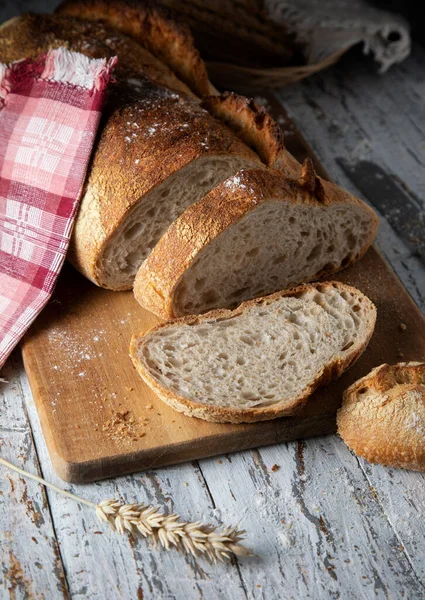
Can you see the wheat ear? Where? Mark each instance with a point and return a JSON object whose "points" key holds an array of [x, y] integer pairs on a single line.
{"points": [[168, 530]]}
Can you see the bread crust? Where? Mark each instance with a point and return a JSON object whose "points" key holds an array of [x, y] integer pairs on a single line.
{"points": [[250, 121], [201, 223], [32, 35], [155, 28], [145, 139], [221, 414], [382, 417], [256, 128]]}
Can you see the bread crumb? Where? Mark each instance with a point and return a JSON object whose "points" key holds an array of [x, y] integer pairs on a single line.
{"points": [[220, 462], [186, 484], [129, 388], [124, 428], [149, 406], [275, 468], [403, 326], [400, 354]]}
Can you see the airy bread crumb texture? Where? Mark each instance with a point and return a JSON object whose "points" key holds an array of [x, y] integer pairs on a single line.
{"points": [[382, 417], [260, 361], [139, 232], [277, 246]]}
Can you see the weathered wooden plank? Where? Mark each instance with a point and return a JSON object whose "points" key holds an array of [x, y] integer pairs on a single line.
{"points": [[315, 523], [104, 565], [31, 566], [401, 495]]}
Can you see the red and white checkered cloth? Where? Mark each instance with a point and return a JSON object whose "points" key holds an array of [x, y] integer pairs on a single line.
{"points": [[49, 114]]}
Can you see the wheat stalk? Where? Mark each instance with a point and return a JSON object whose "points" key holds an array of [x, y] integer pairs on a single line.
{"points": [[198, 539]]}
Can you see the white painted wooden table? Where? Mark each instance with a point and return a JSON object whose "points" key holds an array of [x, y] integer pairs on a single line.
{"points": [[325, 524]]}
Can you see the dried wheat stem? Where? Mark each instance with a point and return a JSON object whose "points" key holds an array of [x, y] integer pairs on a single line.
{"points": [[169, 531], [8, 464]]}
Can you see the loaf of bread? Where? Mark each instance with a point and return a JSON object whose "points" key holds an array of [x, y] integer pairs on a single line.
{"points": [[255, 233], [260, 361], [382, 417], [160, 150]]}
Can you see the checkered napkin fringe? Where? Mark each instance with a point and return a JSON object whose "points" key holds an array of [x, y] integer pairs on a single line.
{"points": [[49, 114]]}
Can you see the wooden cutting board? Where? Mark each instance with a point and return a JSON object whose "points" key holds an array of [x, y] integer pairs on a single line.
{"points": [[99, 418]]}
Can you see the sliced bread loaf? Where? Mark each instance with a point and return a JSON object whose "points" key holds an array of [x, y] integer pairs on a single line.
{"points": [[158, 153], [260, 361], [255, 233]]}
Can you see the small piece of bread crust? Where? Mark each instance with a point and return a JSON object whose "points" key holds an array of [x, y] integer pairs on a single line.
{"points": [[382, 418], [154, 27], [229, 410]]}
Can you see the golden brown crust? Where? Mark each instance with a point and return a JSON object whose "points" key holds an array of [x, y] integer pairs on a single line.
{"points": [[147, 138], [158, 278], [32, 35], [221, 414], [152, 26], [250, 121], [382, 417], [256, 128]]}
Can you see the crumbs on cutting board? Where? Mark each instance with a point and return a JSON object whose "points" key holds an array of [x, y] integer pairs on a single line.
{"points": [[124, 428], [80, 358]]}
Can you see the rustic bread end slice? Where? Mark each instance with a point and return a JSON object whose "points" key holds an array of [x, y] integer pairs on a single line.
{"points": [[255, 233], [382, 417], [260, 361]]}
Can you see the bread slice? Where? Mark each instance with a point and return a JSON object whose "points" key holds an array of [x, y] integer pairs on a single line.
{"points": [[260, 361], [382, 417], [255, 233], [153, 26], [158, 153]]}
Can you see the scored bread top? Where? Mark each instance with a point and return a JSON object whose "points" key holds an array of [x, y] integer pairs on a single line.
{"points": [[202, 223], [29, 36], [155, 28], [261, 360], [256, 128], [382, 417]]}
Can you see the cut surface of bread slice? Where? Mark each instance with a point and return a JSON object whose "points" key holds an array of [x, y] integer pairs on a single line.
{"points": [[255, 233], [382, 417], [158, 153], [259, 361]]}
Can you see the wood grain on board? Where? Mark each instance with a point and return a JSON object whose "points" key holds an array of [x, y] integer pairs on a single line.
{"points": [[99, 418]]}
